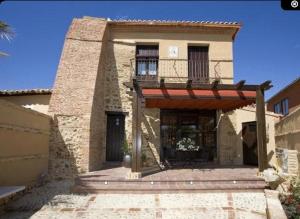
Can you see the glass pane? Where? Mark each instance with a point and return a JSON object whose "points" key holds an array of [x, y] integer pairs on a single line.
{"points": [[152, 67], [142, 67], [285, 106]]}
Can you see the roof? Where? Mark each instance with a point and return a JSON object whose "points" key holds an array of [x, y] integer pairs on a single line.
{"points": [[235, 26], [25, 92], [284, 88], [142, 21]]}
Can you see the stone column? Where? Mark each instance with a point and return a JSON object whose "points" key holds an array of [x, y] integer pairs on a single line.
{"points": [[77, 107]]}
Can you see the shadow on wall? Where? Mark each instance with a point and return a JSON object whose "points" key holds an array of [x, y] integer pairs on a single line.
{"points": [[62, 162], [228, 139], [231, 146], [150, 137], [97, 150]]}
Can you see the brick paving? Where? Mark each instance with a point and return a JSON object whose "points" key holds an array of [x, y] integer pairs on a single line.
{"points": [[196, 205], [56, 200], [175, 180], [201, 173]]}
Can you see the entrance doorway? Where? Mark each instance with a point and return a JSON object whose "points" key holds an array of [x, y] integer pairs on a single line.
{"points": [[115, 131], [188, 135], [250, 152]]}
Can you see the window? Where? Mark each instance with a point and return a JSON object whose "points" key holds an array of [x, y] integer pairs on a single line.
{"points": [[198, 64], [285, 106], [146, 60], [282, 107], [277, 108]]}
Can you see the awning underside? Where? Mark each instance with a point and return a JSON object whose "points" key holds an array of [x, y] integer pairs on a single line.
{"points": [[225, 100]]}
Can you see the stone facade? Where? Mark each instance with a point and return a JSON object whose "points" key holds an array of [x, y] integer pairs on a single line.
{"points": [[77, 102]]}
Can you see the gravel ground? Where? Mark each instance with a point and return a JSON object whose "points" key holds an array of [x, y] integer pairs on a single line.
{"points": [[54, 200]]}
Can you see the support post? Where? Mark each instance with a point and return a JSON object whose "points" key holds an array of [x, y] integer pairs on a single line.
{"points": [[261, 130], [136, 133]]}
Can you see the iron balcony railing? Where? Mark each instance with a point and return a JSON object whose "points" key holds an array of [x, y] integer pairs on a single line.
{"points": [[144, 69]]}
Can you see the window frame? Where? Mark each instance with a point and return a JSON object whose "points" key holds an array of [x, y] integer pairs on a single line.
{"points": [[147, 58]]}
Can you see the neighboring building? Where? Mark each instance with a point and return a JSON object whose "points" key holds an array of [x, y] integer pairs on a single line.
{"points": [[35, 99], [286, 100], [160, 86]]}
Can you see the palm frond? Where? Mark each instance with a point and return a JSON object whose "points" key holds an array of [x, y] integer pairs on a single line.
{"points": [[5, 31]]}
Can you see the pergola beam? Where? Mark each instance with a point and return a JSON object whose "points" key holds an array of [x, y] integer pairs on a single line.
{"points": [[196, 86], [162, 83], [189, 84], [136, 133], [137, 88], [240, 84], [215, 84], [266, 85], [261, 128]]}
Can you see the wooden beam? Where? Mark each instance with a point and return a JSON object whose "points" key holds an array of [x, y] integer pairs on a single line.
{"points": [[215, 84], [240, 84], [136, 133], [266, 85], [162, 83], [261, 130], [151, 84], [189, 83], [137, 88]]}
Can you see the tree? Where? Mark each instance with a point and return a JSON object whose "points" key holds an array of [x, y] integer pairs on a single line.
{"points": [[5, 33]]}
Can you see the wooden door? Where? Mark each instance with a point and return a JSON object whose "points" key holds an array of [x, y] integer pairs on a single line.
{"points": [[198, 63], [250, 152], [115, 132]]}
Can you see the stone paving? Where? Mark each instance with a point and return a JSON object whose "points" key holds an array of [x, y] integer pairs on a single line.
{"points": [[55, 201]]}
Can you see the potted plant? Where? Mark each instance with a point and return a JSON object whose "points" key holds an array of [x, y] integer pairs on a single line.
{"points": [[127, 155], [144, 159]]}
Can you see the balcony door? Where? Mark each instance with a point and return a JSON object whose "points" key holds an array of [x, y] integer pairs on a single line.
{"points": [[147, 61], [198, 69]]}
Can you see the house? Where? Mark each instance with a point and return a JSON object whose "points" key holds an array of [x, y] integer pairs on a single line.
{"points": [[35, 99], [286, 100], [165, 89]]}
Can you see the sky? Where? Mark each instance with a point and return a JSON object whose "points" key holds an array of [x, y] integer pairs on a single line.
{"points": [[266, 48]]}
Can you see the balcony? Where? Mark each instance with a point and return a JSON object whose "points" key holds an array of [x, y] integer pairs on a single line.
{"points": [[171, 70]]}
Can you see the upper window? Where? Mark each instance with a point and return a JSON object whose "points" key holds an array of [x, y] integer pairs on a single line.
{"points": [[285, 106], [277, 108], [146, 60], [282, 107], [198, 65]]}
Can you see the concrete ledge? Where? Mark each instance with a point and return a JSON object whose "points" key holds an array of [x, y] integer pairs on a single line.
{"points": [[6, 191], [274, 207], [134, 175]]}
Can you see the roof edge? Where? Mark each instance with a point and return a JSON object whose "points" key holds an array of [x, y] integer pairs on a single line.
{"points": [[283, 89], [25, 92]]}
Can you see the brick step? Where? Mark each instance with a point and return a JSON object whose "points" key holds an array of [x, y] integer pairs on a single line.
{"points": [[171, 186], [147, 181]]}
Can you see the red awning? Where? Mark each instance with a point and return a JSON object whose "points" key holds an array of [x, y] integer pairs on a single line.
{"points": [[198, 99]]}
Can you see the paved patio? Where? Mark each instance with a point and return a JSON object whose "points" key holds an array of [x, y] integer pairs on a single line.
{"points": [[54, 200]]}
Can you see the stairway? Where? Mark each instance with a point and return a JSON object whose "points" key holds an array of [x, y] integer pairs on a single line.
{"points": [[94, 185]]}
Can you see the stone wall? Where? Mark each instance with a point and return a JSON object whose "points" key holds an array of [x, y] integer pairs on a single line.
{"points": [[77, 102], [117, 96], [24, 151], [287, 136]]}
